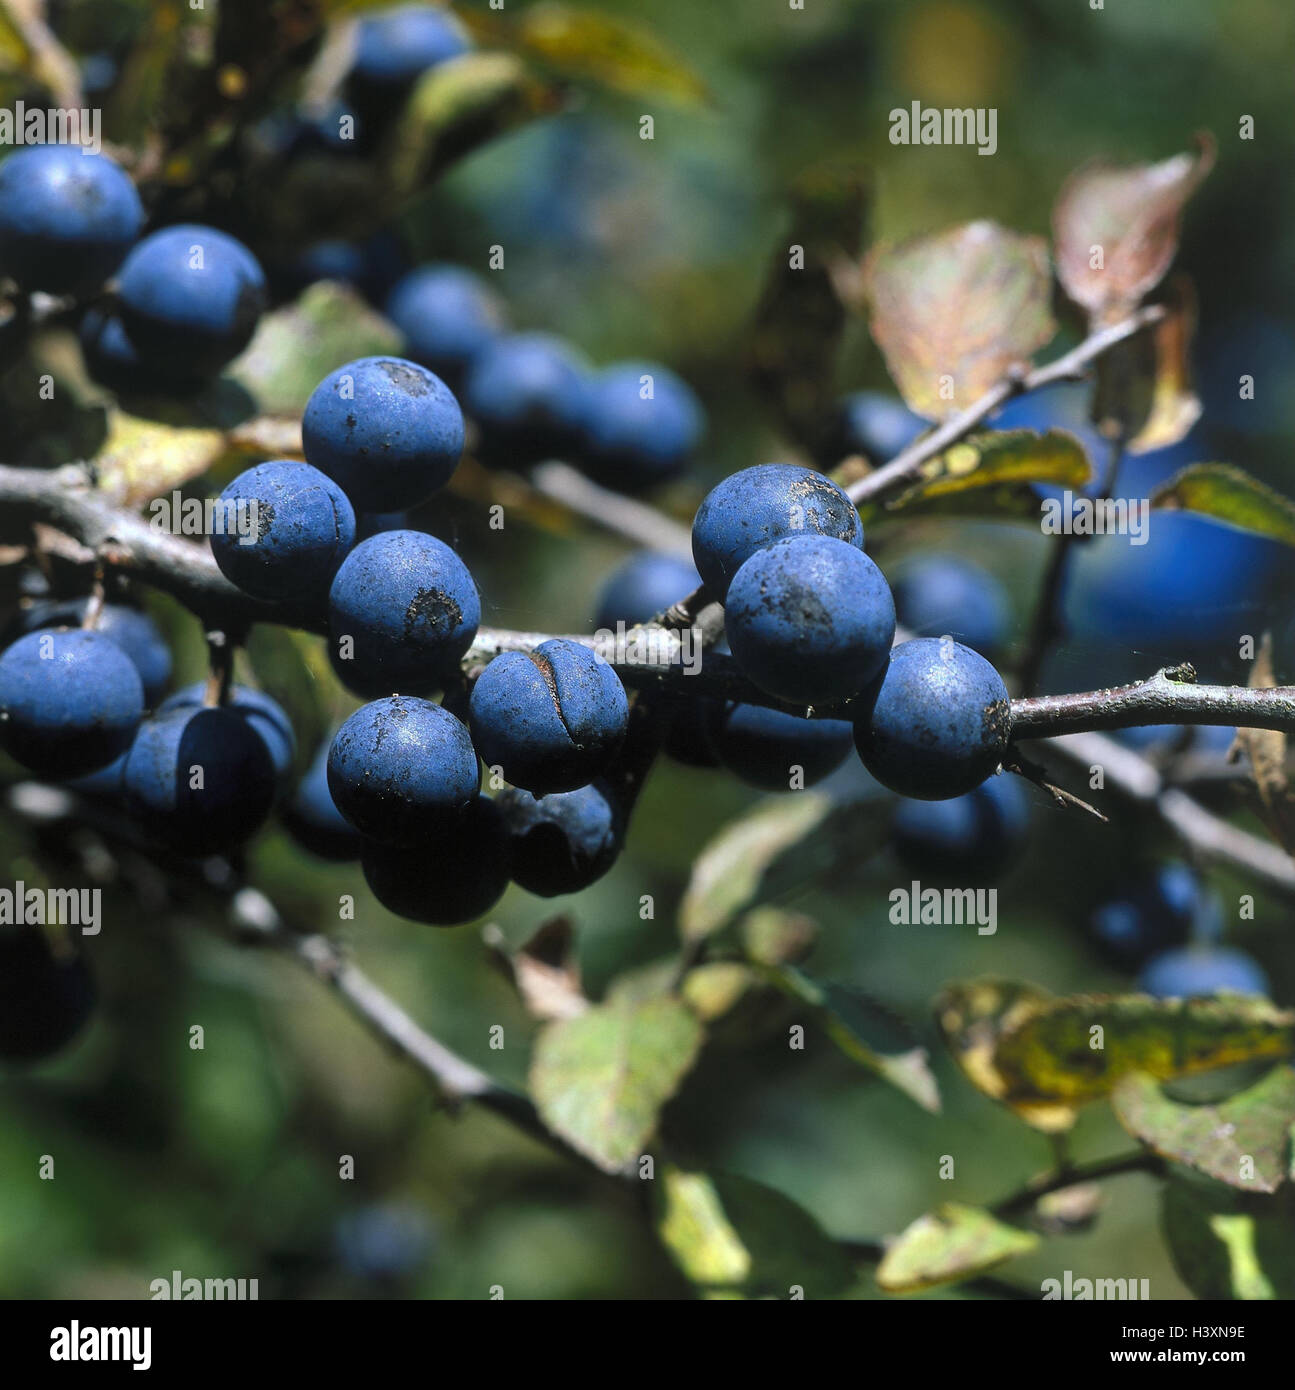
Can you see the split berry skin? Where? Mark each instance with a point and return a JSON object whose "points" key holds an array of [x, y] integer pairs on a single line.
{"points": [[645, 585], [304, 527], [201, 780], [1193, 972], [447, 317], [134, 632], [409, 608], [45, 999], [643, 425], [395, 46], [966, 838], [551, 719], [757, 506], [190, 298], [312, 819], [262, 714], [1153, 915], [67, 217], [764, 747], [810, 619], [943, 595], [70, 701], [458, 871], [564, 842], [386, 430], [400, 767], [527, 392], [936, 722]]}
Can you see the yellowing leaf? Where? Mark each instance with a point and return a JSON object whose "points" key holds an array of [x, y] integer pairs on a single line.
{"points": [[953, 313], [614, 52], [1230, 495], [998, 457], [600, 1079], [1131, 215], [953, 1242], [141, 459], [734, 1237]]}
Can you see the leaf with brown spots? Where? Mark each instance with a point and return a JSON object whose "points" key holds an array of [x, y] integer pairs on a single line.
{"points": [[956, 312]]}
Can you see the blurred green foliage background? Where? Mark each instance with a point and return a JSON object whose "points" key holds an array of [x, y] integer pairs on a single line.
{"points": [[224, 1162]]}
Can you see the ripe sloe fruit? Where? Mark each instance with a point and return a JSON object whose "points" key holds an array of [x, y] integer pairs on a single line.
{"points": [[1152, 915], [761, 746], [45, 998], [810, 619], [67, 217], [134, 632], [564, 842], [304, 526], [943, 595], [397, 768], [70, 701], [873, 424], [201, 780], [1194, 971], [447, 315], [632, 441], [410, 608], [394, 46], [527, 392], [551, 719], [190, 298], [936, 723], [386, 430], [974, 836], [757, 506], [455, 873], [263, 715], [312, 819], [645, 585]]}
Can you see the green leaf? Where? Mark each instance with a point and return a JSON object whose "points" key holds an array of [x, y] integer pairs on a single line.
{"points": [[953, 1242], [1232, 496], [456, 107], [600, 1079], [998, 458], [773, 936], [613, 52], [955, 312], [733, 1236], [712, 989], [1226, 1245], [728, 873], [1216, 1139], [297, 346], [864, 1031]]}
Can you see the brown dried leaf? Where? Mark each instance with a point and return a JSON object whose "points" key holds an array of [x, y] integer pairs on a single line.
{"points": [[956, 312], [545, 970], [1131, 214]]}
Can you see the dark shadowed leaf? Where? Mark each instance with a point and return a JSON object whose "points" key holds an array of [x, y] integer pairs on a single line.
{"points": [[955, 312], [798, 324], [600, 1079], [1222, 1140], [1115, 229], [950, 1243], [1230, 495], [457, 107], [732, 1236], [1229, 1245], [865, 1031]]}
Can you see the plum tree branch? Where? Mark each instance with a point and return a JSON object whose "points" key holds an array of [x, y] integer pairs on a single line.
{"points": [[1071, 365], [624, 516]]}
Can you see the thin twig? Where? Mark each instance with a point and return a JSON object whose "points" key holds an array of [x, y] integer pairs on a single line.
{"points": [[905, 465], [625, 516]]}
